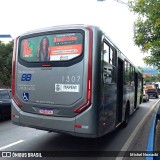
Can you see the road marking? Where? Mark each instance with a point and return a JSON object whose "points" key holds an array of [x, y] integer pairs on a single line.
{"points": [[134, 133], [12, 144]]}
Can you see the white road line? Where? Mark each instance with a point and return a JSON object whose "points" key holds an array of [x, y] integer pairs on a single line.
{"points": [[134, 133], [12, 144]]}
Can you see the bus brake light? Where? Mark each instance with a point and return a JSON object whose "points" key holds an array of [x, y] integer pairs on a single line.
{"points": [[87, 103], [14, 73]]}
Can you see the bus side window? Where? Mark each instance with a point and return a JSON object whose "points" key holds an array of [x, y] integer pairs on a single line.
{"points": [[106, 53], [108, 61]]}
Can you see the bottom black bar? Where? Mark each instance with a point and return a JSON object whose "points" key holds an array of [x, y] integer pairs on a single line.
{"points": [[40, 154]]}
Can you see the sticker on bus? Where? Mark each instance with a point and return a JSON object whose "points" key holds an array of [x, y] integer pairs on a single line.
{"points": [[67, 88], [65, 52], [54, 47]]}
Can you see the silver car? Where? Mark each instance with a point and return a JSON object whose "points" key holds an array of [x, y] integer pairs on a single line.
{"points": [[145, 96]]}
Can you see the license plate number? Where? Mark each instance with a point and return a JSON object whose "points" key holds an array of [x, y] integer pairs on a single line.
{"points": [[46, 111]]}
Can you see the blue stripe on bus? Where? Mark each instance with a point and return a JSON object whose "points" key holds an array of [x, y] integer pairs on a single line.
{"points": [[150, 146]]}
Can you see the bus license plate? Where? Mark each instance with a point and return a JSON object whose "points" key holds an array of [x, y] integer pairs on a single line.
{"points": [[46, 111]]}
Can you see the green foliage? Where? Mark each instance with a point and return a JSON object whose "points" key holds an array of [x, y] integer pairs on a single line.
{"points": [[148, 79], [147, 29], [155, 78], [6, 51]]}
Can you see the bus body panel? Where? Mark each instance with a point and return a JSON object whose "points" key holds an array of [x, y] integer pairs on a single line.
{"points": [[58, 124], [41, 93], [52, 94], [60, 89], [42, 89], [109, 108]]}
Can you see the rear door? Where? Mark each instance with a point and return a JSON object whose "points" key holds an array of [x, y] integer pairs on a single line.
{"points": [[52, 72]]}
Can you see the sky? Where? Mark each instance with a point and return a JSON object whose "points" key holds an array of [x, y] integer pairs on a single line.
{"points": [[115, 19]]}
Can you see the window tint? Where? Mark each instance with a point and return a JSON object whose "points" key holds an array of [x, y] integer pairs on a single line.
{"points": [[109, 64], [152, 90], [127, 73], [106, 53], [111, 56], [55, 47]]}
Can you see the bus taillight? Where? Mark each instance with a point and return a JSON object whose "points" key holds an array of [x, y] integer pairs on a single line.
{"points": [[89, 91], [87, 103], [14, 73]]}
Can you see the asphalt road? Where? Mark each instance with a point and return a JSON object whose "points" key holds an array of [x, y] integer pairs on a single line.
{"points": [[134, 137]]}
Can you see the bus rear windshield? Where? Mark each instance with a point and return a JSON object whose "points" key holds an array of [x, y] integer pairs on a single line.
{"points": [[55, 47]]}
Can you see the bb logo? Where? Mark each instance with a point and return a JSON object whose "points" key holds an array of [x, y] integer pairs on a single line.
{"points": [[26, 77]]}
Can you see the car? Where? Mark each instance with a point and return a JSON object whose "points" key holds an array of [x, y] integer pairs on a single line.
{"points": [[145, 96], [153, 93], [5, 103]]}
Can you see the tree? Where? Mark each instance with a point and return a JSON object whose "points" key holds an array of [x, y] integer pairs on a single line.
{"points": [[6, 51], [147, 29]]}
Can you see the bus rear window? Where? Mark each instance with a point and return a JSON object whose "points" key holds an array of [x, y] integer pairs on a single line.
{"points": [[56, 47]]}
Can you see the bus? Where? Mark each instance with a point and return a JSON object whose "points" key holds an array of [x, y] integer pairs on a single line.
{"points": [[73, 79]]}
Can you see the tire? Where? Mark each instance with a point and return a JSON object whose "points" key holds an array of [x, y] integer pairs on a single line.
{"points": [[1, 116]]}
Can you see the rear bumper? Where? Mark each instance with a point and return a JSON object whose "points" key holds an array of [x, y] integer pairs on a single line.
{"points": [[153, 94], [56, 124]]}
